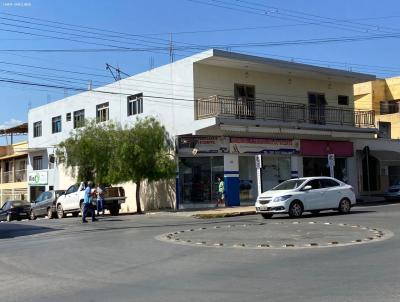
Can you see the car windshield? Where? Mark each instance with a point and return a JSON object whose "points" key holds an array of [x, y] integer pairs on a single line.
{"points": [[289, 185]]}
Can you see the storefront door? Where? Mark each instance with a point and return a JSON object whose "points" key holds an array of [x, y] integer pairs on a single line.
{"points": [[198, 179]]}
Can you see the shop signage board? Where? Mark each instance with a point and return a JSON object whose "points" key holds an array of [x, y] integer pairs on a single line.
{"points": [[264, 145], [194, 145], [37, 178]]}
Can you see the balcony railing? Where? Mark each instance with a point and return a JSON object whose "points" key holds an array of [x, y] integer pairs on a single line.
{"points": [[229, 107], [8, 177], [20, 175]]}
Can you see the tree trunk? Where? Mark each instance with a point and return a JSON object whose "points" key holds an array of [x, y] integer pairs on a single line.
{"points": [[138, 206]]}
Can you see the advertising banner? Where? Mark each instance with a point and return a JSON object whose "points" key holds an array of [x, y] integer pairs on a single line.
{"points": [[37, 178], [264, 145], [202, 144]]}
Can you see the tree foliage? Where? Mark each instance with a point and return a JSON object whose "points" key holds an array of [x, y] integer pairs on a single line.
{"points": [[108, 153], [143, 154]]}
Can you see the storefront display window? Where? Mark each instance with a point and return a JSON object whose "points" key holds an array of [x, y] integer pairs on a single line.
{"points": [[248, 179], [275, 169], [318, 166], [198, 178]]}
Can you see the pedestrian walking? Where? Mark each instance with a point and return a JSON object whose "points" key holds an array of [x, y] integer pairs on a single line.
{"points": [[100, 199], [87, 203], [221, 190]]}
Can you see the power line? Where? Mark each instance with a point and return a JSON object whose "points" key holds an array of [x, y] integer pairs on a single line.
{"points": [[218, 46], [274, 12], [19, 82]]}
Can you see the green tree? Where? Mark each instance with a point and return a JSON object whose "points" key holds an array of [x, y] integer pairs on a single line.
{"points": [[88, 151], [106, 153], [143, 153]]}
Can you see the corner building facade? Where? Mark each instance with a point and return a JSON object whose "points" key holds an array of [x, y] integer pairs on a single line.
{"points": [[224, 108]]}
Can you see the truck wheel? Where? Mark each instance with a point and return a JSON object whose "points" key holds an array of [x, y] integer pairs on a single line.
{"points": [[60, 212], [114, 211]]}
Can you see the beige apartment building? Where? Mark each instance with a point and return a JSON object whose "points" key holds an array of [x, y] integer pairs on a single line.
{"points": [[378, 160], [13, 177]]}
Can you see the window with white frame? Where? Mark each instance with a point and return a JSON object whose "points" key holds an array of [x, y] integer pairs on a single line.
{"points": [[79, 118], [56, 124], [102, 112], [37, 163], [37, 129], [135, 104]]}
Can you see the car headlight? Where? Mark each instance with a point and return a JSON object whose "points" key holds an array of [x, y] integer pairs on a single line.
{"points": [[282, 198]]}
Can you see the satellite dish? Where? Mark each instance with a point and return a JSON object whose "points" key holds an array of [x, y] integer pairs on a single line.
{"points": [[194, 151]]}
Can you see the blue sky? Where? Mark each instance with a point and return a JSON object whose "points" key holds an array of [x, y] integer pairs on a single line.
{"points": [[191, 22]]}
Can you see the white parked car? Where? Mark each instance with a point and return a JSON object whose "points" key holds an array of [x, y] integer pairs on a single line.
{"points": [[308, 194]]}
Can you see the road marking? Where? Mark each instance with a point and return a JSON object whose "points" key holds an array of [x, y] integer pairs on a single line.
{"points": [[371, 235]]}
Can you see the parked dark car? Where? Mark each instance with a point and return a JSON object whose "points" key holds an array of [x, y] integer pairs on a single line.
{"points": [[15, 210], [45, 204]]}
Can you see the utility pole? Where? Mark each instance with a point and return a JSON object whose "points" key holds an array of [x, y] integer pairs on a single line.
{"points": [[171, 49], [151, 62]]}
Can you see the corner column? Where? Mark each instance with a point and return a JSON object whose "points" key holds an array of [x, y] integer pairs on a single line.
{"points": [[231, 180]]}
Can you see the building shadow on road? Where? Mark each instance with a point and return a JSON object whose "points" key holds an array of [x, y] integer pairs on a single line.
{"points": [[12, 230]]}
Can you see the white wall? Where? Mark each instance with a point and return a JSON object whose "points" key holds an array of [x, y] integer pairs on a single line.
{"points": [[176, 115]]}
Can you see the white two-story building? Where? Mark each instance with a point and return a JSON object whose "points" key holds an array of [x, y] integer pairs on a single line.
{"points": [[223, 108]]}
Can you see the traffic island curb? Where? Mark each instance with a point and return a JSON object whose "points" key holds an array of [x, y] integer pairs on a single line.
{"points": [[222, 215]]}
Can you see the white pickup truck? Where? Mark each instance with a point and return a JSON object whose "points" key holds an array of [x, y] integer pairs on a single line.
{"points": [[71, 201]]}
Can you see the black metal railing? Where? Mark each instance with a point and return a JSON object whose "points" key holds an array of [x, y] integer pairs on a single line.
{"points": [[231, 107]]}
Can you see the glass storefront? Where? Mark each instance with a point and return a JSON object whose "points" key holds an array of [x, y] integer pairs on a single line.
{"points": [[275, 169], [198, 178], [318, 166]]}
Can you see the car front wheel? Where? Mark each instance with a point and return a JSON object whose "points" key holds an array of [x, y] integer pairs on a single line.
{"points": [[60, 212], [9, 218], [344, 206], [49, 213], [32, 215], [296, 209]]}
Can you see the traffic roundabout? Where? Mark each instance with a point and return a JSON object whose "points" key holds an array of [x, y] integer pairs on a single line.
{"points": [[277, 235]]}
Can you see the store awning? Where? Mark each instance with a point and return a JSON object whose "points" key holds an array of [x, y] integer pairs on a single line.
{"points": [[388, 158]]}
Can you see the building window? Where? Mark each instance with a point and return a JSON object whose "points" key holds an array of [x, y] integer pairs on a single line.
{"points": [[135, 104], [37, 163], [389, 107], [37, 129], [56, 124], [52, 161], [102, 112], [245, 96], [68, 117], [79, 118], [343, 100], [384, 130]]}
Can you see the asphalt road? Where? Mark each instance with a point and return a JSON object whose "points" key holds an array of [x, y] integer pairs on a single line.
{"points": [[121, 259]]}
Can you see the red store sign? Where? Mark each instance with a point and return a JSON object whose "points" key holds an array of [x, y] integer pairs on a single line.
{"points": [[323, 148]]}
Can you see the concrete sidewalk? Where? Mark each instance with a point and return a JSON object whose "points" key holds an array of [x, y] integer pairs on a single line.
{"points": [[211, 213]]}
